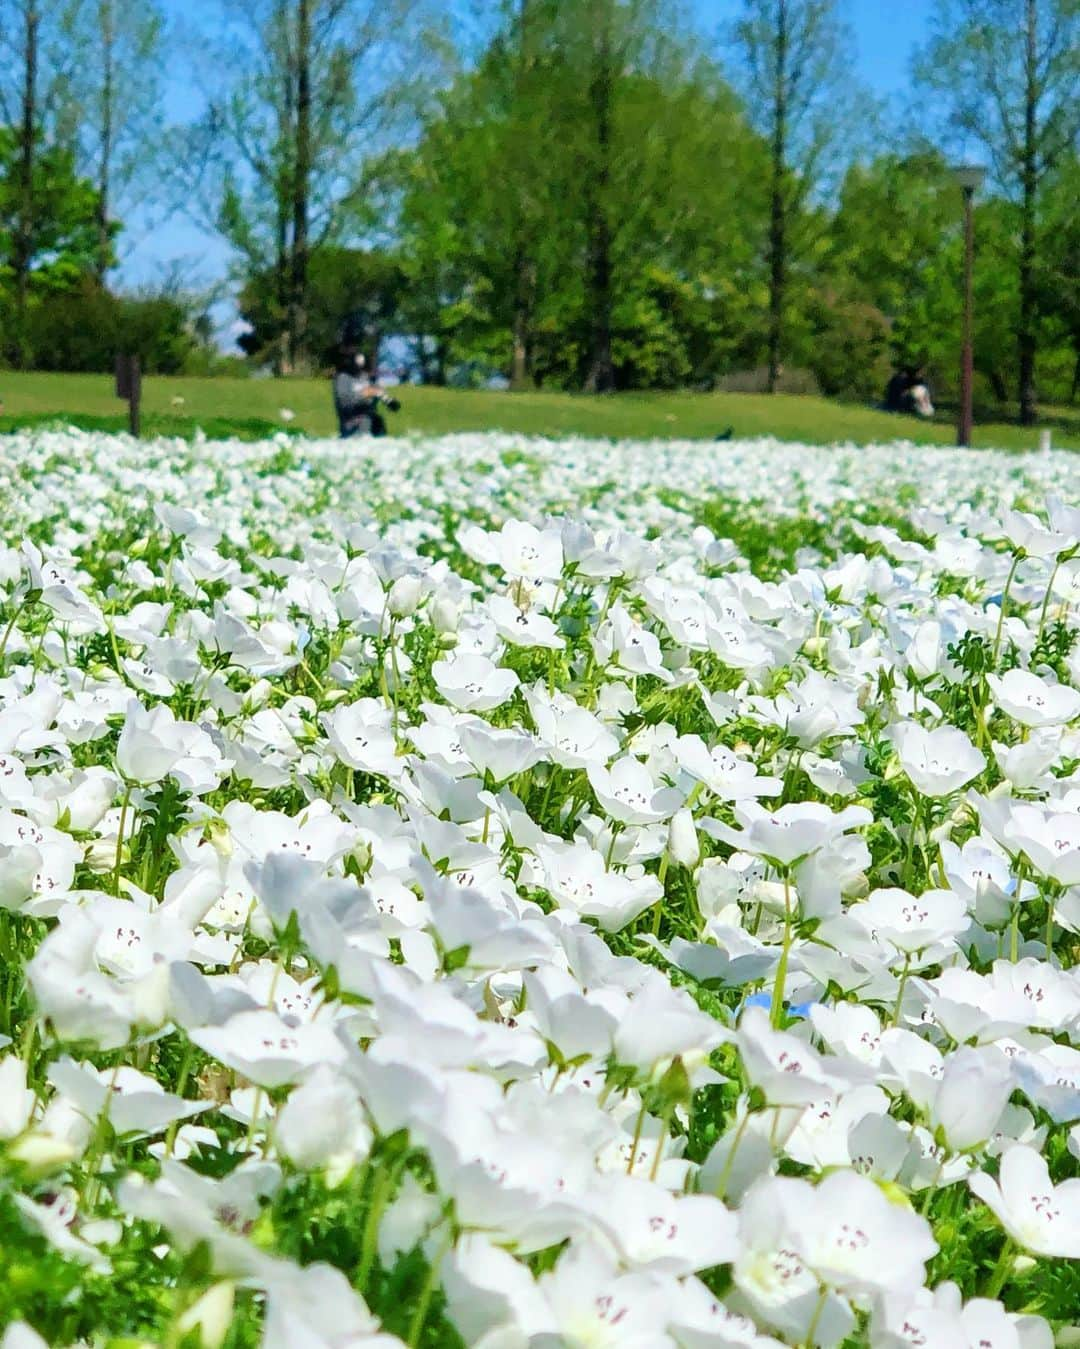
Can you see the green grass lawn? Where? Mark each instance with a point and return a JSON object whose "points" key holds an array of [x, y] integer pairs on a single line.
{"points": [[251, 408]]}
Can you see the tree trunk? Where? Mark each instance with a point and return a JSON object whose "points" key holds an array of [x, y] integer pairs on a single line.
{"points": [[521, 354], [778, 201], [524, 268], [23, 243], [601, 372], [108, 55], [301, 187], [1028, 338]]}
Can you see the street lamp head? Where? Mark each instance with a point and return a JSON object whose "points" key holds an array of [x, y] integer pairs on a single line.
{"points": [[969, 176]]}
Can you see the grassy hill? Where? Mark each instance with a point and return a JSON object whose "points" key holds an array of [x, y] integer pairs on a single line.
{"points": [[252, 408]]}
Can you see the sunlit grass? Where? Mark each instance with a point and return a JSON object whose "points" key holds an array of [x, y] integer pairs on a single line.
{"points": [[252, 409]]}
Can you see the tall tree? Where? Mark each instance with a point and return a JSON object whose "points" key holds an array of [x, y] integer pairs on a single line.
{"points": [[20, 106], [795, 66], [35, 65], [1059, 269], [112, 110], [605, 63], [1008, 72], [525, 63], [301, 98], [682, 202]]}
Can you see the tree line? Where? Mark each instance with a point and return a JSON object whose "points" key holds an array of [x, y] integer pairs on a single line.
{"points": [[582, 194]]}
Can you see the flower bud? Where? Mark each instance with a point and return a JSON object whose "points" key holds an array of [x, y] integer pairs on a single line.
{"points": [[445, 615], [404, 596], [211, 1316], [41, 1153], [683, 840]]}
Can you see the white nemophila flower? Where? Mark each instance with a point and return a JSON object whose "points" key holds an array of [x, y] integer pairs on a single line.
{"points": [[849, 1028], [787, 1070], [723, 772], [17, 1101], [822, 1136], [936, 1317], [1049, 839], [491, 1297], [322, 1125], [36, 861], [974, 1089], [980, 874], [661, 1023], [82, 1001], [1027, 534], [472, 682], [19, 865], [814, 711], [404, 596], [154, 745], [772, 1278], [788, 834], [1050, 1078], [55, 1219], [592, 1302], [132, 1101], [77, 802], [268, 1049], [1039, 1216], [578, 878], [361, 737], [59, 586], [621, 640], [629, 795], [700, 1321], [523, 626], [576, 1023], [150, 743], [655, 1230], [519, 548], [858, 1241], [1032, 701], [1025, 764], [572, 736], [910, 923], [501, 753], [938, 762]]}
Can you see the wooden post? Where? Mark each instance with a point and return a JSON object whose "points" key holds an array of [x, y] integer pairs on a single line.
{"points": [[129, 387]]}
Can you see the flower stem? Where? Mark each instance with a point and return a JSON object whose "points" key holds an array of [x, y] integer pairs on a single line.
{"points": [[776, 1010], [120, 839], [1001, 1270], [1004, 606], [416, 1326]]}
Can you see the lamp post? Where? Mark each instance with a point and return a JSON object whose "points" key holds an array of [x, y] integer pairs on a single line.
{"points": [[970, 179]]}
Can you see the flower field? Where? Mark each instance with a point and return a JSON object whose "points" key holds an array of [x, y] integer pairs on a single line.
{"points": [[514, 894]]}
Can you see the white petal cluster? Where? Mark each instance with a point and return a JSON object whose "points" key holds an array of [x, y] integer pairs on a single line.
{"points": [[449, 895]]}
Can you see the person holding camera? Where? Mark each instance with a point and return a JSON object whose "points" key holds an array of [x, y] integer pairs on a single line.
{"points": [[358, 399]]}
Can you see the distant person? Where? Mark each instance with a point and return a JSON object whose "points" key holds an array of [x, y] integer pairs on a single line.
{"points": [[357, 397], [908, 393]]}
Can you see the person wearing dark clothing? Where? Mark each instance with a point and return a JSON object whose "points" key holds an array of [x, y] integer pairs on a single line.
{"points": [[357, 398], [898, 388], [908, 392]]}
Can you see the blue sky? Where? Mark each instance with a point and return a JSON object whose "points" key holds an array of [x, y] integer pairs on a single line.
{"points": [[885, 37]]}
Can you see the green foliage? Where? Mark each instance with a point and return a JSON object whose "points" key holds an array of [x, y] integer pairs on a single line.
{"points": [[497, 198], [356, 284], [83, 328], [65, 231]]}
